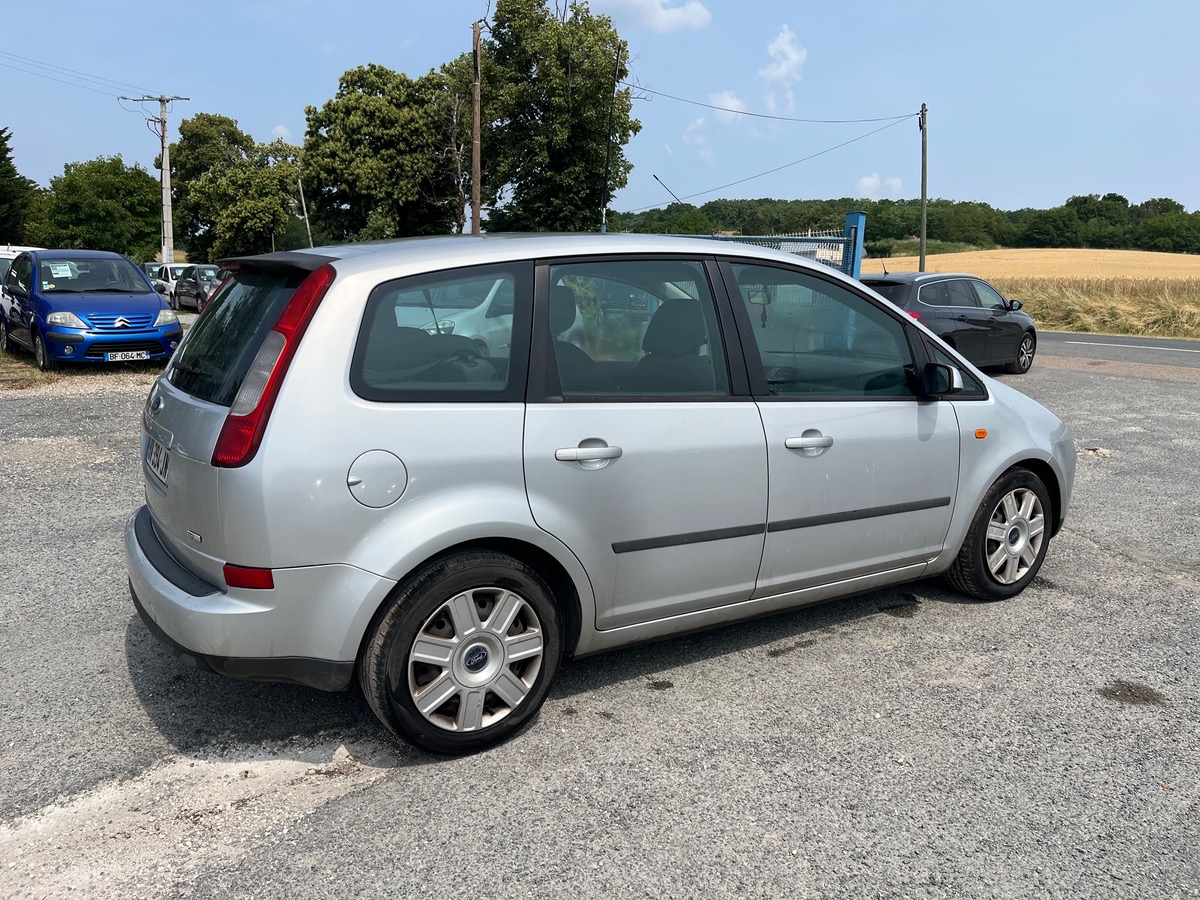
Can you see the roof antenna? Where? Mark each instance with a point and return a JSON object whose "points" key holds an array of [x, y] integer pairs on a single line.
{"points": [[667, 189]]}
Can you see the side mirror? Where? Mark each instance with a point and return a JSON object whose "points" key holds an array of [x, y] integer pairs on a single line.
{"points": [[1014, 304], [160, 287], [939, 379]]}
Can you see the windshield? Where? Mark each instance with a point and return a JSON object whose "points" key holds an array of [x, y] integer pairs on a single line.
{"points": [[206, 273], [90, 276], [176, 271]]}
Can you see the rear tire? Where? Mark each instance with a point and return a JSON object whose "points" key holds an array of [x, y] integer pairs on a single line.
{"points": [[41, 355], [1008, 539], [464, 653], [5, 347]]}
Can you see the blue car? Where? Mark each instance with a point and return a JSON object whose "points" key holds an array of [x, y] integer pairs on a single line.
{"points": [[85, 306]]}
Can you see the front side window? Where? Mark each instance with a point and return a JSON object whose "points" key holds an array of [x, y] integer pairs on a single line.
{"points": [[22, 274], [636, 328], [972, 388], [818, 339], [427, 337], [989, 297]]}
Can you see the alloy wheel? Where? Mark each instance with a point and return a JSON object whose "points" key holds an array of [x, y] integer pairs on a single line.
{"points": [[1015, 532]]}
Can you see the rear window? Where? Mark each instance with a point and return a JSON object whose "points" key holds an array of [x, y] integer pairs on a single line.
{"points": [[895, 291], [214, 357]]}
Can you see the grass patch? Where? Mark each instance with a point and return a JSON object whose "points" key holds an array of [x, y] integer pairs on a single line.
{"points": [[1164, 307]]}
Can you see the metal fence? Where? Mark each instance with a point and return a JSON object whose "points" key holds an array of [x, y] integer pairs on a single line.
{"points": [[840, 249]]}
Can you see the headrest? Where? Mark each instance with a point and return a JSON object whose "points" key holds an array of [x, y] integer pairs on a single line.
{"points": [[677, 328], [562, 308]]}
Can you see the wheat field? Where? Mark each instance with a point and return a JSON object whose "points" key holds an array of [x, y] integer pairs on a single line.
{"points": [[1096, 291]]}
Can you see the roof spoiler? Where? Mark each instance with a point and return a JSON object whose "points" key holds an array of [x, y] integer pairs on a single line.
{"points": [[283, 261]]}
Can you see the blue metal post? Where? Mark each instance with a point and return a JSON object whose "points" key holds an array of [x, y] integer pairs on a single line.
{"points": [[856, 225]]}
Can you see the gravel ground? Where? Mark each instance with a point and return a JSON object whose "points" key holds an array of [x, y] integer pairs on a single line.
{"points": [[906, 743]]}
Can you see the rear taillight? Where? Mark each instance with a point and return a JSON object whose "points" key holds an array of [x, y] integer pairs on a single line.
{"points": [[915, 315], [248, 577], [247, 420]]}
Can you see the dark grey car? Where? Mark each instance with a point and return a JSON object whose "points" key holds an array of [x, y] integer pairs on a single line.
{"points": [[967, 313], [194, 286]]}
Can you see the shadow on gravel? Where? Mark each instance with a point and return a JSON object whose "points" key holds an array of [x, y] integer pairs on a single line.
{"points": [[198, 710], [799, 628]]}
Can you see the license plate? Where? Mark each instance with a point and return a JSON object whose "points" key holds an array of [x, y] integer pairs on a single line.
{"points": [[125, 355], [158, 457]]}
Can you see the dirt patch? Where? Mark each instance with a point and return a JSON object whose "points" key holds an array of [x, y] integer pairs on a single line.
{"points": [[1132, 693]]}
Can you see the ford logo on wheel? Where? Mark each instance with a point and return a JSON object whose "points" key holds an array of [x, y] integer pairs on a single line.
{"points": [[476, 659]]}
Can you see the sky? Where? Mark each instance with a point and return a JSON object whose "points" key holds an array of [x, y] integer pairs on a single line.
{"points": [[1029, 103]]}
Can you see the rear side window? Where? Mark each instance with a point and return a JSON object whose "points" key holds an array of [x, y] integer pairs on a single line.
{"points": [[212, 361], [458, 335]]}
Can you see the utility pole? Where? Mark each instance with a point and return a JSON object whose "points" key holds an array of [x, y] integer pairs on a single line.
{"points": [[476, 162], [304, 207], [924, 126], [612, 103], [164, 134]]}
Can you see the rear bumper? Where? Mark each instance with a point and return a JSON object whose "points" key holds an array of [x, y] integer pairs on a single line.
{"points": [[305, 631]]}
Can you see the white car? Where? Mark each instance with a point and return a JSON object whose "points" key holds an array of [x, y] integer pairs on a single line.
{"points": [[164, 277]]}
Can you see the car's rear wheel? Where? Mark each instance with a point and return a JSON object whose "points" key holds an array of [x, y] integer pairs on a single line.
{"points": [[173, 301], [464, 654], [1025, 351], [1007, 542], [41, 355], [4, 346]]}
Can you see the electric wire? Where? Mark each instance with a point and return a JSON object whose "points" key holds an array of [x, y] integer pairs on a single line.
{"points": [[774, 170], [742, 112], [69, 73]]}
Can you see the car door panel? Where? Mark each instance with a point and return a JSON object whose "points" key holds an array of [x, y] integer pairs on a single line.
{"points": [[878, 496], [641, 458], [675, 523], [863, 471]]}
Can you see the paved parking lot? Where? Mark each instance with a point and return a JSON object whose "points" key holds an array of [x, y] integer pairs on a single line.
{"points": [[907, 743]]}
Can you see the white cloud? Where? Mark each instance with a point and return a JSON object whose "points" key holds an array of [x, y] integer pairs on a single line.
{"points": [[872, 187], [282, 131], [657, 15], [727, 100], [787, 58], [694, 136]]}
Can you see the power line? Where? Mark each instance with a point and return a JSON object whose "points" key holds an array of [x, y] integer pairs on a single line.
{"points": [[64, 71], [742, 112], [774, 170], [59, 80]]}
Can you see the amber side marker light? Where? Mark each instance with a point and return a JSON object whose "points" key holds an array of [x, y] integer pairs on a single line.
{"points": [[980, 433]]}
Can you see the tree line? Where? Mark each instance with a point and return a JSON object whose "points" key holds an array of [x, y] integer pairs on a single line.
{"points": [[1106, 221]]}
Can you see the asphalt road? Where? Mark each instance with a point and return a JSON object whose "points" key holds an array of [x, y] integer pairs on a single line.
{"points": [[906, 743]]}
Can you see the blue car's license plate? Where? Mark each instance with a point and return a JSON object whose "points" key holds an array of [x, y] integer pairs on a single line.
{"points": [[125, 355]]}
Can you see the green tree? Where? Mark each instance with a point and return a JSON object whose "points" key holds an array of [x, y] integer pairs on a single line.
{"points": [[102, 204], [16, 193], [376, 157], [251, 203], [552, 87], [208, 144]]}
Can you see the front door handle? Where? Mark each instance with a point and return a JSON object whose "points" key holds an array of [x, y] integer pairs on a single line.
{"points": [[587, 454], [809, 442]]}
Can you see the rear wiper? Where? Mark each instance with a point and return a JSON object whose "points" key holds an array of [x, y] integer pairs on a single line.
{"points": [[193, 368]]}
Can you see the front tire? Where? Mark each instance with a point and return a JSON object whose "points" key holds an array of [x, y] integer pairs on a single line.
{"points": [[41, 354], [1025, 351], [5, 347], [465, 653], [1008, 539]]}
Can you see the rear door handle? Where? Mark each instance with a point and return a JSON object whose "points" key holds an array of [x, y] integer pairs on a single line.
{"points": [[808, 443], [587, 454]]}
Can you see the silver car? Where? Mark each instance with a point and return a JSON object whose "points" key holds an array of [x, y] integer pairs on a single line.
{"points": [[339, 488]]}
